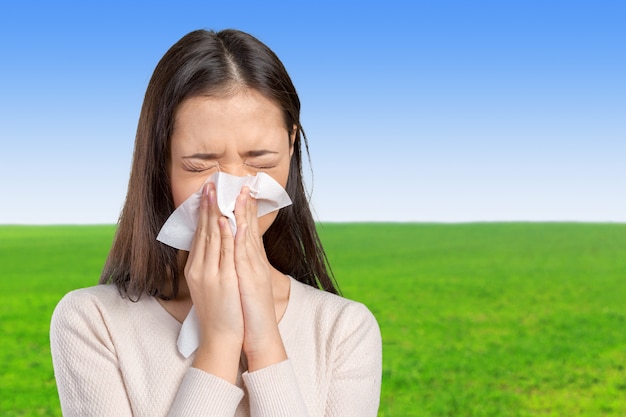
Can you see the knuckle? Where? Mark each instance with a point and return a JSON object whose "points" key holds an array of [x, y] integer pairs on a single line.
{"points": [[212, 236], [225, 251], [201, 231]]}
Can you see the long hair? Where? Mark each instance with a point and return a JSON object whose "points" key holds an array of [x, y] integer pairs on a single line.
{"points": [[210, 64]]}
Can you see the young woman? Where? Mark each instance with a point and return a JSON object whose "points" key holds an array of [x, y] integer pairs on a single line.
{"points": [[275, 339]]}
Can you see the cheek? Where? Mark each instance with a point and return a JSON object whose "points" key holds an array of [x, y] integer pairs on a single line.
{"points": [[281, 173], [182, 191], [266, 221]]}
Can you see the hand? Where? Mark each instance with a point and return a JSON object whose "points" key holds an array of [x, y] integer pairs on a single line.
{"points": [[262, 343], [214, 288]]}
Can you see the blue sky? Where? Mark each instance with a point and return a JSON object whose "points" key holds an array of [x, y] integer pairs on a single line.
{"points": [[446, 111]]}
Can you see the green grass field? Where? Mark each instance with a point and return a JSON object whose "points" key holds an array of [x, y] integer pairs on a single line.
{"points": [[493, 319]]}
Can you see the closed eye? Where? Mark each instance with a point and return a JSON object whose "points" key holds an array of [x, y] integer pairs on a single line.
{"points": [[195, 167], [261, 159], [261, 167], [200, 162]]}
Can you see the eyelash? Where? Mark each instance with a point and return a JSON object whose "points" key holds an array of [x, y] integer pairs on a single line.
{"points": [[261, 167], [198, 170]]}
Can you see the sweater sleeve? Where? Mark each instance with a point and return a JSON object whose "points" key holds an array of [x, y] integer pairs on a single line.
{"points": [[274, 392], [356, 364], [202, 394], [85, 364]]}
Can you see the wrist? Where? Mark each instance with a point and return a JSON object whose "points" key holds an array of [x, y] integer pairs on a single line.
{"points": [[219, 359], [264, 353]]}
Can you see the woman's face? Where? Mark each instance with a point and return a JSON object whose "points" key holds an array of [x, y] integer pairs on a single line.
{"points": [[240, 135]]}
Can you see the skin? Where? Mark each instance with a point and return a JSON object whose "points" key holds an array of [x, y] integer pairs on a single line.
{"points": [[239, 296]]}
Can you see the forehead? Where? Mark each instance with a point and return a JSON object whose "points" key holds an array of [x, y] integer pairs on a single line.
{"points": [[246, 117], [245, 105]]}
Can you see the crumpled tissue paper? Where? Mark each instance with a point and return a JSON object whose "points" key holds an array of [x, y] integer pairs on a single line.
{"points": [[179, 229]]}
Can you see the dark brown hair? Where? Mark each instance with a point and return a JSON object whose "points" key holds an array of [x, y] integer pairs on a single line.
{"points": [[207, 63]]}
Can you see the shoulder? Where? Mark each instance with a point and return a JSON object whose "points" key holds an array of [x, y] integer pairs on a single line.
{"points": [[342, 334], [90, 294], [328, 303], [89, 307], [90, 298], [100, 314], [334, 314]]}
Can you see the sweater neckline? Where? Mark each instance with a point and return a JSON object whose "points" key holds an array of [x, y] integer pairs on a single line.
{"points": [[163, 316], [289, 321]]}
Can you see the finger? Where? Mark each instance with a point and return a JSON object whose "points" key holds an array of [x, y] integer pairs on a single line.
{"points": [[255, 237], [253, 217], [227, 248], [199, 243], [249, 250], [202, 229], [243, 239], [241, 216], [212, 253], [206, 241], [241, 249]]}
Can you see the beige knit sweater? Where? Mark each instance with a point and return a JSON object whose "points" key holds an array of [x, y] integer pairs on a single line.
{"points": [[114, 357]]}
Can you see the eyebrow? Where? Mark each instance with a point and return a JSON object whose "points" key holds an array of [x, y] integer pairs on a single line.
{"points": [[205, 156], [212, 156]]}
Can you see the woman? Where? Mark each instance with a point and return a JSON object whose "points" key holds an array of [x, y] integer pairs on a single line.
{"points": [[274, 338]]}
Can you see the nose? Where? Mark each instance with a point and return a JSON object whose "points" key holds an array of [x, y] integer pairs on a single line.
{"points": [[238, 170]]}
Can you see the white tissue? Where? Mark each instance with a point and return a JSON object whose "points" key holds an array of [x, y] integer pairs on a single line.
{"points": [[179, 229], [189, 336]]}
